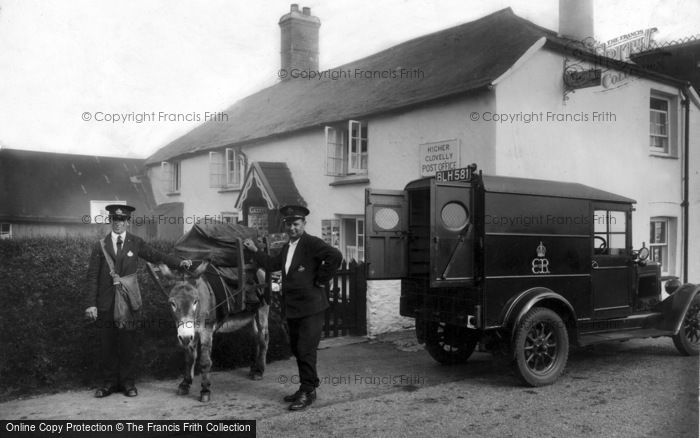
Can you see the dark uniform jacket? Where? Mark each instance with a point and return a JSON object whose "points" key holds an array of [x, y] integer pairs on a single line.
{"points": [[99, 282], [313, 265]]}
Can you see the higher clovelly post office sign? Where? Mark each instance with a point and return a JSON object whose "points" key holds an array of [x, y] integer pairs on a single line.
{"points": [[438, 156]]}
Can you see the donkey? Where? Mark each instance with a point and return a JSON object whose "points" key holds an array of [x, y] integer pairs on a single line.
{"points": [[193, 305]]}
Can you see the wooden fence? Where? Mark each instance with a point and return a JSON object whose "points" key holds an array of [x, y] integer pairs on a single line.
{"points": [[347, 294]]}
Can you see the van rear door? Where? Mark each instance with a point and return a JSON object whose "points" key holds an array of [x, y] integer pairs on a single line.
{"points": [[386, 214], [452, 234]]}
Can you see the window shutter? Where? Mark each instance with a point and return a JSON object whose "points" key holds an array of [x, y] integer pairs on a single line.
{"points": [[241, 168], [355, 147], [216, 170], [228, 166], [335, 152]]}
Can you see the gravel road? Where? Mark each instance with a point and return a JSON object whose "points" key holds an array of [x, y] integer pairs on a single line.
{"points": [[391, 387]]}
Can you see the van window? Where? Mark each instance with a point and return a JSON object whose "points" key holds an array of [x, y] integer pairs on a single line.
{"points": [[609, 227]]}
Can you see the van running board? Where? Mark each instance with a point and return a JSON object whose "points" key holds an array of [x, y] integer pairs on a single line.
{"points": [[597, 338]]}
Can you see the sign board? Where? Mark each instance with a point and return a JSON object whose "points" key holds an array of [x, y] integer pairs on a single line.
{"points": [[576, 79], [622, 47], [258, 219], [462, 174], [438, 156], [98, 212]]}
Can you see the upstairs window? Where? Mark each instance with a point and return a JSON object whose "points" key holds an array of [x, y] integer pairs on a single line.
{"points": [[659, 125], [347, 149], [226, 169], [171, 175]]}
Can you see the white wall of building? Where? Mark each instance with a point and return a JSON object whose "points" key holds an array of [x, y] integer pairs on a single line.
{"points": [[694, 201], [394, 154], [605, 146], [397, 137], [394, 160], [201, 202], [611, 153]]}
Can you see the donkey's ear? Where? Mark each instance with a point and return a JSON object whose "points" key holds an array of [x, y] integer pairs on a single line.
{"points": [[200, 269], [167, 273]]}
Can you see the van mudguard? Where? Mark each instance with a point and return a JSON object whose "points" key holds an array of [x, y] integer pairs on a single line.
{"points": [[675, 306], [518, 306]]}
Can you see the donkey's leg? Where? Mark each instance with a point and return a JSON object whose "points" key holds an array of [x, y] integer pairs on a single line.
{"points": [[190, 360], [206, 337], [262, 338]]}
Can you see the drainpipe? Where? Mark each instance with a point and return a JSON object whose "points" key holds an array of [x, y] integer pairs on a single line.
{"points": [[686, 183]]}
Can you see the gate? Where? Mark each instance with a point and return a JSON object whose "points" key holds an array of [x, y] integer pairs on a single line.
{"points": [[347, 296]]}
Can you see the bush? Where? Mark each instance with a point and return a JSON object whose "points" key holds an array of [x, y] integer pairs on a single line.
{"points": [[46, 342]]}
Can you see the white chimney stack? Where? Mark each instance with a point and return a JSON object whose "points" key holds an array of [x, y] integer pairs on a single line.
{"points": [[576, 19]]}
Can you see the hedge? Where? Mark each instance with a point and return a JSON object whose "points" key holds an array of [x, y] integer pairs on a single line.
{"points": [[48, 345]]}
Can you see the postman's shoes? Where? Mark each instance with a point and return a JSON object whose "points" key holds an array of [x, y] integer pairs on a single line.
{"points": [[293, 397], [303, 401], [131, 391], [105, 391]]}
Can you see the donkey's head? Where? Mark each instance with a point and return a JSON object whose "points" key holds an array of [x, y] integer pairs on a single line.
{"points": [[184, 300]]}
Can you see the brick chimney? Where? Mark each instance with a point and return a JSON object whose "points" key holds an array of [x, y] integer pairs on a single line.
{"points": [[299, 39], [576, 19]]}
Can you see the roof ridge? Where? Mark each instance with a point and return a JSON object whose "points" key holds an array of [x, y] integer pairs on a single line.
{"points": [[451, 61], [68, 154], [505, 11]]}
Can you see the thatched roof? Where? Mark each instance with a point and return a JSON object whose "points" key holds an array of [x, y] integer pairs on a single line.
{"points": [[452, 61]]}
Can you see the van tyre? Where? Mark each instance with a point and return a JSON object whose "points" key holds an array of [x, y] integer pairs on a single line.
{"points": [[449, 344], [687, 341], [541, 347]]}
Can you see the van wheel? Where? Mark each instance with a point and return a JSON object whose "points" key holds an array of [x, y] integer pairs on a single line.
{"points": [[687, 341], [449, 344], [541, 347]]}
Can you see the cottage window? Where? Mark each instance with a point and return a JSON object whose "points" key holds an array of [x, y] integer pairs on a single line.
{"points": [[5, 231], [171, 175], [216, 169], [235, 168], [659, 125], [661, 243], [226, 169], [347, 149], [355, 239]]}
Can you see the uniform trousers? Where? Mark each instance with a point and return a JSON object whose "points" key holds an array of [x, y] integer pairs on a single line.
{"points": [[117, 352], [304, 336]]}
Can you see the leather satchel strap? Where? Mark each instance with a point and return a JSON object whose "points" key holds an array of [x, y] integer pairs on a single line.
{"points": [[109, 260]]}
